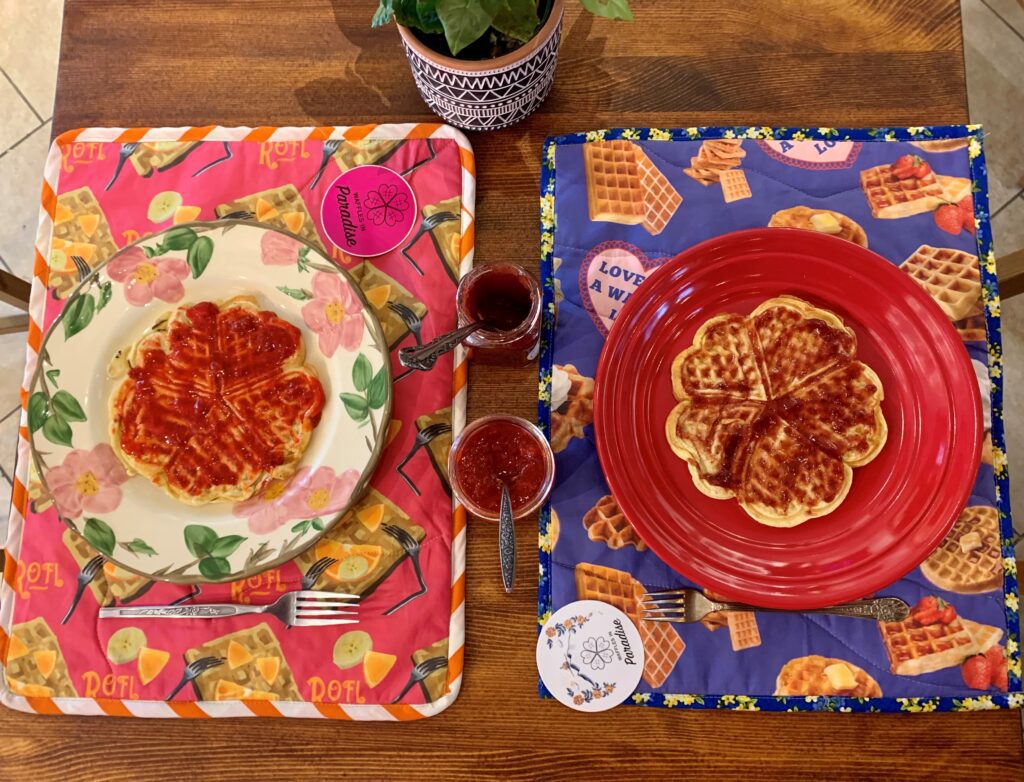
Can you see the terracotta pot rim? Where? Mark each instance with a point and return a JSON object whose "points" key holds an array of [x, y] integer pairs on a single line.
{"points": [[524, 52]]}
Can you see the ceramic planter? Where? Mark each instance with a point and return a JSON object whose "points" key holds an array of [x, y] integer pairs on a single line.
{"points": [[487, 94]]}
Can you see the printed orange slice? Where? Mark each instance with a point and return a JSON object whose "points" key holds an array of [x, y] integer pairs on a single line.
{"points": [[354, 564], [16, 648], [30, 690], [151, 662], [259, 695], [372, 516], [186, 214], [265, 210], [45, 659], [294, 221], [329, 548], [393, 429], [89, 223], [376, 666], [268, 667], [62, 214], [378, 296], [238, 655], [57, 243], [83, 249], [225, 690]]}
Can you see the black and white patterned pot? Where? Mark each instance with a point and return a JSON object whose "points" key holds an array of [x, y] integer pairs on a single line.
{"points": [[487, 94]]}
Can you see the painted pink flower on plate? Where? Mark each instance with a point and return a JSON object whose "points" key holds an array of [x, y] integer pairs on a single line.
{"points": [[335, 313], [268, 510], [279, 249], [320, 492], [87, 481], [148, 278]]}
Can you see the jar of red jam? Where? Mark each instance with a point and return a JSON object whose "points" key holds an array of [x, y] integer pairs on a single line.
{"points": [[496, 449], [507, 298]]}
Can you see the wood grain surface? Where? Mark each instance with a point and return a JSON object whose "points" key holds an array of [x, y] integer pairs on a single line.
{"points": [[698, 62]]}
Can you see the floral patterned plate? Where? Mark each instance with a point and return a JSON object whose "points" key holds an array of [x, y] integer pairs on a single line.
{"points": [[134, 523]]}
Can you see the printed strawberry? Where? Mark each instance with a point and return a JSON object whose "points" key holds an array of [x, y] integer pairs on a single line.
{"points": [[926, 612], [921, 168], [995, 655], [949, 218], [966, 206], [1001, 676], [977, 672], [903, 168], [946, 613]]}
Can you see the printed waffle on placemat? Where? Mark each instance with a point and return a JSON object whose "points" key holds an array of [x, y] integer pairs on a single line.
{"points": [[400, 530], [614, 205]]}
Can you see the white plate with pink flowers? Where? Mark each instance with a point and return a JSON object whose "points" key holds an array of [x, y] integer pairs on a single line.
{"points": [[138, 525]]}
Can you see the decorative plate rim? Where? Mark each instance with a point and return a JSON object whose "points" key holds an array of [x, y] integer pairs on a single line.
{"points": [[372, 462]]}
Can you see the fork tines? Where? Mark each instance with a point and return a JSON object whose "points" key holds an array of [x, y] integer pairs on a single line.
{"points": [[314, 608]]}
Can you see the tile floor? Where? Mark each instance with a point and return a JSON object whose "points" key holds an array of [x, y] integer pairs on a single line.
{"points": [[994, 46]]}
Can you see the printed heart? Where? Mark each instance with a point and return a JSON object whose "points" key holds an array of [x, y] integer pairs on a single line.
{"points": [[813, 154], [608, 276]]}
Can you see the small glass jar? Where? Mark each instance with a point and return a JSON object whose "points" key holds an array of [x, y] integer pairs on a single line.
{"points": [[508, 297], [496, 449]]}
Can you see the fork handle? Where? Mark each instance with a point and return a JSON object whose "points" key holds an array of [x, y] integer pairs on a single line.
{"points": [[882, 609], [205, 611]]}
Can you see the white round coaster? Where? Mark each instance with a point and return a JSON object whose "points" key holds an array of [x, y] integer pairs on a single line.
{"points": [[590, 656]]}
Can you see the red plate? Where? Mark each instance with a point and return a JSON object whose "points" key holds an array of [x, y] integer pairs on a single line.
{"points": [[900, 506]]}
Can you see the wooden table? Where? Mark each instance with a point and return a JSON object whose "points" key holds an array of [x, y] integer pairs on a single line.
{"points": [[702, 62]]}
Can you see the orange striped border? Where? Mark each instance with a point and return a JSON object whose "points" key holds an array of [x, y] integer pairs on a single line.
{"points": [[20, 501]]}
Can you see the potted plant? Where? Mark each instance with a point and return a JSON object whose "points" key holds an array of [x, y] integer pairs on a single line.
{"points": [[484, 64]]}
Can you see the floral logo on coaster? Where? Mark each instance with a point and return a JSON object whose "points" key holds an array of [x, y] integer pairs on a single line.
{"points": [[814, 155], [368, 210], [608, 276], [590, 656]]}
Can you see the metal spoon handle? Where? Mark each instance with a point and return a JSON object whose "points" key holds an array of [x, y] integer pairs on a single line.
{"points": [[882, 609], [425, 356], [507, 540]]}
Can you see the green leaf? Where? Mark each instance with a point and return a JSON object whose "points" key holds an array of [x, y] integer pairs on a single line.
{"points": [[426, 11], [295, 293], [302, 526], [517, 19], [67, 406], [180, 238], [318, 524], [610, 9], [100, 536], [362, 373], [199, 255], [57, 430], [226, 546], [151, 251], [465, 20], [79, 314], [377, 394], [106, 291], [356, 406], [382, 15], [214, 568], [52, 375], [138, 547], [199, 539], [38, 410]]}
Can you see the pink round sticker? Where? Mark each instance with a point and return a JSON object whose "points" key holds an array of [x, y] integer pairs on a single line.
{"points": [[368, 210]]}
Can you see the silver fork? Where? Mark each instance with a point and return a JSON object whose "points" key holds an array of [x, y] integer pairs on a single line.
{"points": [[412, 548], [420, 672], [690, 605], [412, 321], [193, 670], [423, 436], [330, 147], [127, 150], [429, 224], [85, 577], [81, 267], [315, 571], [300, 609]]}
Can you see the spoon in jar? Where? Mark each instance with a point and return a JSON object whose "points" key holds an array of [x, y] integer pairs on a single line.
{"points": [[423, 357], [507, 539]]}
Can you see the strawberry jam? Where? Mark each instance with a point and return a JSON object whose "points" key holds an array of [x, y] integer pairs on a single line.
{"points": [[506, 298], [501, 450]]}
